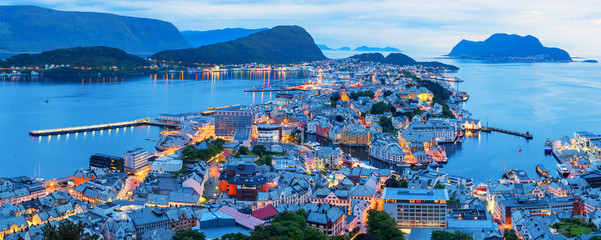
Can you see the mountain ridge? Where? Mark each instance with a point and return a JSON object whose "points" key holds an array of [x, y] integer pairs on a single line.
{"points": [[29, 28], [400, 59], [202, 38], [278, 45]]}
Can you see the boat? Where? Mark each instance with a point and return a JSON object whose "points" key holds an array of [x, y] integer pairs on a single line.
{"points": [[541, 170], [548, 146], [562, 169], [519, 150], [436, 165]]}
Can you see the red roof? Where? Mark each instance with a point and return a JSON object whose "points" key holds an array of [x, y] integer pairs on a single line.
{"points": [[265, 212], [226, 153]]}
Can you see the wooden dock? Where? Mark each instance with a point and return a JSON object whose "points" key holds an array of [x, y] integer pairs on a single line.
{"points": [[89, 128], [526, 135]]}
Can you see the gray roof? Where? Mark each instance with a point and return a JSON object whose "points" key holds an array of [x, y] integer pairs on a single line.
{"points": [[415, 194]]}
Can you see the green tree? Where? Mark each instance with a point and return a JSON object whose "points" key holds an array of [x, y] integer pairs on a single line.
{"points": [[243, 150], [388, 93], [379, 108], [382, 226], [66, 230], [235, 236], [510, 234], [593, 237], [444, 235], [259, 150], [439, 186], [188, 234]]}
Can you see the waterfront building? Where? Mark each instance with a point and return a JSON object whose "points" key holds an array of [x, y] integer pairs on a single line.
{"points": [[269, 133], [228, 120], [136, 160], [387, 150], [6, 185], [178, 118], [82, 176], [283, 98], [113, 163], [443, 132], [355, 137], [423, 208]]}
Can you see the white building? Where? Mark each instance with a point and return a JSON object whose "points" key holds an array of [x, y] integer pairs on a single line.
{"points": [[423, 208], [268, 133], [136, 159], [166, 165]]}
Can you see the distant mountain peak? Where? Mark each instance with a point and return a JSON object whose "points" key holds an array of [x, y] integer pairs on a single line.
{"points": [[281, 44], [203, 38], [509, 47]]}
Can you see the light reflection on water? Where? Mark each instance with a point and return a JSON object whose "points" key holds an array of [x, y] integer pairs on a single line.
{"points": [[77, 101]]}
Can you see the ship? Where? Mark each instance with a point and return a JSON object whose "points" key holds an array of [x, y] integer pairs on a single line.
{"points": [[548, 146], [542, 171], [562, 169], [436, 165]]}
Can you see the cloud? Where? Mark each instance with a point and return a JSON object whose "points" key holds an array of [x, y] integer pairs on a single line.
{"points": [[417, 25]]}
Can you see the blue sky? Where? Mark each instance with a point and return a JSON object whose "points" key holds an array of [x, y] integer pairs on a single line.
{"points": [[432, 26]]}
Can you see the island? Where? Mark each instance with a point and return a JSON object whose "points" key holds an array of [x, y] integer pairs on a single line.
{"points": [[509, 47], [79, 60], [401, 60], [377, 49], [281, 44], [325, 47]]}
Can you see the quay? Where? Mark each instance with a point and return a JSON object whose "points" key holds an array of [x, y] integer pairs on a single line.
{"points": [[143, 121], [526, 135], [272, 89]]}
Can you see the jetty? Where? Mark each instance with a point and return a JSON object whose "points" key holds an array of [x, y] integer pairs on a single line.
{"points": [[273, 89], [526, 135], [89, 128]]}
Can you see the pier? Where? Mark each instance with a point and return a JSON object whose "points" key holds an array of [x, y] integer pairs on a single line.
{"points": [[526, 135], [57, 131], [272, 89]]}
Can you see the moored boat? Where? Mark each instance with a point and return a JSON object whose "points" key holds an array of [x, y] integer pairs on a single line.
{"points": [[562, 169], [541, 170], [548, 146]]}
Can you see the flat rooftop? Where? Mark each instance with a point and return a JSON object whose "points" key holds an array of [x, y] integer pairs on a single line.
{"points": [[415, 194]]}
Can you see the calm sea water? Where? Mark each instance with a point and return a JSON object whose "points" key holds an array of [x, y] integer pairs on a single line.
{"points": [[547, 99], [77, 102]]}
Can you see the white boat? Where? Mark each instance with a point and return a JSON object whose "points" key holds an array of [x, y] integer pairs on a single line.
{"points": [[563, 170]]}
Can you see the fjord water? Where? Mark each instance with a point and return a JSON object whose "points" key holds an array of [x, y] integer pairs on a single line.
{"points": [[547, 99], [77, 102]]}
